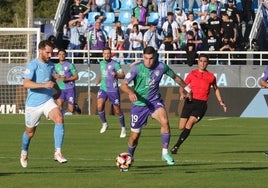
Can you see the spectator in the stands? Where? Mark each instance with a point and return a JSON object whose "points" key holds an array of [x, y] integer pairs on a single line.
{"points": [[182, 42], [76, 8], [191, 4], [226, 45], [228, 28], [101, 6], [152, 38], [171, 27], [203, 14], [232, 12], [248, 12], [180, 16], [199, 37], [189, 22], [116, 40], [162, 7], [97, 41], [141, 13], [212, 44], [215, 5], [136, 40], [98, 18], [76, 29], [168, 45], [214, 24], [53, 39], [152, 6]]}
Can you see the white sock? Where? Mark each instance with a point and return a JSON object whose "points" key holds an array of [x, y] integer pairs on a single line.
{"points": [[164, 151], [58, 150]]}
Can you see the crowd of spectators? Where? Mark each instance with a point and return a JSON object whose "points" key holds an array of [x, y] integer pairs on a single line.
{"points": [[213, 26]]}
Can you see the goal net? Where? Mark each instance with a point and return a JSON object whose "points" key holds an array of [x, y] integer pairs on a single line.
{"points": [[17, 47]]}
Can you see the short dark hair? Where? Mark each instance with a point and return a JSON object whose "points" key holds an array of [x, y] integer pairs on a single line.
{"points": [[149, 50], [62, 50], [203, 55], [107, 48], [45, 43]]}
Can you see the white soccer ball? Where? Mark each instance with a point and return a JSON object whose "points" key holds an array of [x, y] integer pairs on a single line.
{"points": [[123, 161]]}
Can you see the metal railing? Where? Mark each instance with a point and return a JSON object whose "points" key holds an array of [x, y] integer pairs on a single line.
{"points": [[128, 57]]}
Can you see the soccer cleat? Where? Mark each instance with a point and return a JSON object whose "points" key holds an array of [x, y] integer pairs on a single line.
{"points": [[59, 157], [104, 128], [77, 108], [266, 153], [24, 160], [174, 150], [123, 132], [168, 159]]}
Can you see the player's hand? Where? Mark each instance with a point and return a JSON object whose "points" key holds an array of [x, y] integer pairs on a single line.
{"points": [[49, 84], [224, 106], [132, 97]]}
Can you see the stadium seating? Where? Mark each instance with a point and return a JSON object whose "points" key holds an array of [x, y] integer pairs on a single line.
{"points": [[91, 17], [110, 17], [115, 4], [128, 4], [153, 17], [107, 29], [124, 17]]}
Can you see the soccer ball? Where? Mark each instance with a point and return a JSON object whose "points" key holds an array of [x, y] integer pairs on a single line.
{"points": [[123, 161]]}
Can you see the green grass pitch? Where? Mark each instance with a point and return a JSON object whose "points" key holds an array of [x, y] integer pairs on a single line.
{"points": [[220, 152]]}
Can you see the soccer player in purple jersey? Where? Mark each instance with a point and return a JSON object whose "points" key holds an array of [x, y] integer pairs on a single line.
{"points": [[263, 83], [110, 71], [146, 99], [66, 74]]}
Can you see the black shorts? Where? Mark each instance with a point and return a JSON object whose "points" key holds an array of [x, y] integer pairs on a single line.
{"points": [[196, 108]]}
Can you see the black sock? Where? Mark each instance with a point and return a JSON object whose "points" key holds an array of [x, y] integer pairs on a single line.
{"points": [[185, 133]]}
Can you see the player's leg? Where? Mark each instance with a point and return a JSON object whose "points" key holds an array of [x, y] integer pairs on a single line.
{"points": [[114, 98], [53, 112], [70, 96], [32, 118], [161, 116], [139, 116], [101, 99]]}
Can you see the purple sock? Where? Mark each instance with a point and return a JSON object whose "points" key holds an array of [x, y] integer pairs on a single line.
{"points": [[102, 116], [165, 140], [122, 120]]}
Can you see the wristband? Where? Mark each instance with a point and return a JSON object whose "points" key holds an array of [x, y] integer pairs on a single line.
{"points": [[187, 88]]}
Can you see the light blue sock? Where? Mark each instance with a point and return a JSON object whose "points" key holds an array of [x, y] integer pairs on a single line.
{"points": [[58, 135], [25, 142]]}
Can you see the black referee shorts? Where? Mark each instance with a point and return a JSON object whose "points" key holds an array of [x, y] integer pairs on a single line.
{"points": [[196, 108]]}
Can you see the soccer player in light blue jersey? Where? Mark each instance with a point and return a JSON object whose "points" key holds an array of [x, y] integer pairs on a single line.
{"points": [[146, 99], [110, 71], [38, 79]]}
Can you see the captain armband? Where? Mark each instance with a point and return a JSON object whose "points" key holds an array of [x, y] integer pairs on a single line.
{"points": [[188, 89]]}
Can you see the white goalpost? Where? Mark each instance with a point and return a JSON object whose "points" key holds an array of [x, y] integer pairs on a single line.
{"points": [[17, 47]]}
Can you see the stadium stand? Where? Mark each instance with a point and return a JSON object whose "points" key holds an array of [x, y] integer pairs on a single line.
{"points": [[153, 17], [115, 4], [127, 4], [124, 17], [110, 17], [91, 17]]}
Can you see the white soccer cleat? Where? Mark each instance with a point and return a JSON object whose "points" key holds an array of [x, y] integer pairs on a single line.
{"points": [[59, 157], [104, 128], [123, 132], [24, 160]]}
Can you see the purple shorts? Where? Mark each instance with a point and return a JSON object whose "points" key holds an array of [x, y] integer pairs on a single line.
{"points": [[68, 95], [114, 97], [139, 114]]}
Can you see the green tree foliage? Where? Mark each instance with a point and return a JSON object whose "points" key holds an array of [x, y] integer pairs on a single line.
{"points": [[13, 13]]}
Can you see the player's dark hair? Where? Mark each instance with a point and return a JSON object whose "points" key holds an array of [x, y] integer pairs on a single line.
{"points": [[62, 50], [45, 43], [106, 48], [203, 55], [151, 50]]}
